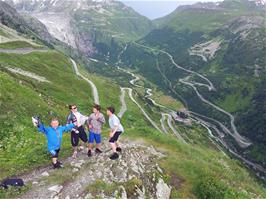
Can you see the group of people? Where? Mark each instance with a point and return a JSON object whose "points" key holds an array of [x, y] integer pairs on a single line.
{"points": [[75, 124]]}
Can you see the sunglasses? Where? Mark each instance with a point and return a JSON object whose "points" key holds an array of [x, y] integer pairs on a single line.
{"points": [[74, 108]]}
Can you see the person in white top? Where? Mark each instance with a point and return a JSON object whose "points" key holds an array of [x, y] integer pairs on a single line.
{"points": [[78, 132], [116, 129]]}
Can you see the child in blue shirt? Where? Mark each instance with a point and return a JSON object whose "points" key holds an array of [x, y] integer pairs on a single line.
{"points": [[54, 134]]}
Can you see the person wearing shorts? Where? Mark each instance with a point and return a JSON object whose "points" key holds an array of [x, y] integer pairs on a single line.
{"points": [[78, 132], [95, 122], [116, 129]]}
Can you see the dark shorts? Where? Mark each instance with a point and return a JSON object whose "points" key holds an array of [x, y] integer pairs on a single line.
{"points": [[115, 137], [94, 136], [75, 136], [54, 153]]}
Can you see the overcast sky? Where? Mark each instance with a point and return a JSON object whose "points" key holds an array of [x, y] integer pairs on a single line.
{"points": [[158, 8]]}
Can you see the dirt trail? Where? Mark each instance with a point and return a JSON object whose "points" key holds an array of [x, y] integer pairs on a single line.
{"points": [[22, 51], [27, 74]]}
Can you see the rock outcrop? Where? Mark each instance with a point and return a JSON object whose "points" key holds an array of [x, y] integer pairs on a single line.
{"points": [[136, 174]]}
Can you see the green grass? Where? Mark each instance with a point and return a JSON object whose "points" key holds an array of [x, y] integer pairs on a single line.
{"points": [[237, 94], [17, 44], [21, 147], [4, 33], [109, 91], [192, 163], [13, 192]]}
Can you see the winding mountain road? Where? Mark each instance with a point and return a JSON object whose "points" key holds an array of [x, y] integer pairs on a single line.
{"points": [[169, 122], [94, 88], [210, 85], [250, 164], [134, 80], [162, 121], [242, 142], [164, 116], [148, 95], [124, 109]]}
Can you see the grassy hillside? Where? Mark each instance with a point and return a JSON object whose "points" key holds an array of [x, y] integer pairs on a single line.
{"points": [[22, 97], [17, 44]]}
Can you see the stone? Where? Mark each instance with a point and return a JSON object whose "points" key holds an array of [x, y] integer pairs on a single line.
{"points": [[123, 193], [163, 191], [56, 188], [34, 182], [45, 173], [75, 170], [159, 169], [78, 165], [141, 193], [88, 196]]}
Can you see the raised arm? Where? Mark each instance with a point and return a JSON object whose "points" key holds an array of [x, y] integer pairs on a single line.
{"points": [[68, 127], [42, 128]]}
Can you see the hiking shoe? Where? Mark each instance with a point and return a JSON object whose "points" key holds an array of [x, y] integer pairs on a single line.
{"points": [[89, 153], [98, 150], [57, 165], [61, 165], [118, 149], [114, 156]]}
